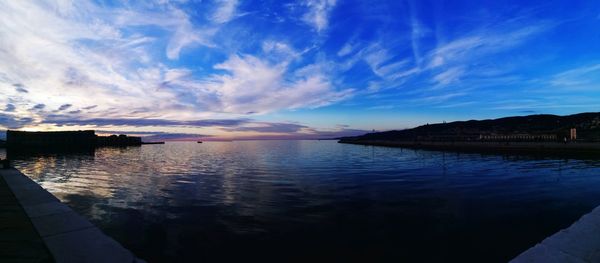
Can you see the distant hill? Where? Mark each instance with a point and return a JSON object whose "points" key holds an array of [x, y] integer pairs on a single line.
{"points": [[587, 125]]}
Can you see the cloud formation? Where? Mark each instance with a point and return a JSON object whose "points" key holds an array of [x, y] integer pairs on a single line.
{"points": [[317, 14], [225, 11], [281, 68], [132, 122], [270, 89], [13, 122], [105, 56]]}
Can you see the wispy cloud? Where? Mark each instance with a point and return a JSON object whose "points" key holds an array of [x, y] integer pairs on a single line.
{"points": [[225, 11], [449, 76], [175, 20], [136, 122], [317, 14], [270, 88], [489, 40], [346, 49], [417, 32], [581, 78], [101, 62]]}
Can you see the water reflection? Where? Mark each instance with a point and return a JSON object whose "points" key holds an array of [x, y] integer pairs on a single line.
{"points": [[303, 200]]}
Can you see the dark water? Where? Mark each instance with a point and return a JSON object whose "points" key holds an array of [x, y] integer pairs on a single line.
{"points": [[319, 200]]}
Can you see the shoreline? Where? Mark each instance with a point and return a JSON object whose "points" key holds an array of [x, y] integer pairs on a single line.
{"points": [[488, 147]]}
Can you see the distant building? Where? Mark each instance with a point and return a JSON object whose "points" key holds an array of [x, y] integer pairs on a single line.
{"points": [[62, 139], [66, 140], [518, 137]]}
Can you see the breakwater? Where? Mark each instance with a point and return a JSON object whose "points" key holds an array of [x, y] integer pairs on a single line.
{"points": [[66, 235], [479, 146], [580, 242]]}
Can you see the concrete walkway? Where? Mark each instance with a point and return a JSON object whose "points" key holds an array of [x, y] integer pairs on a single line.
{"points": [[19, 241], [66, 235], [578, 243]]}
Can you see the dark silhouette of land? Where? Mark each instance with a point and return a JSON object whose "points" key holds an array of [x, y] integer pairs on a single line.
{"points": [[22, 140], [578, 132], [153, 142], [118, 140]]}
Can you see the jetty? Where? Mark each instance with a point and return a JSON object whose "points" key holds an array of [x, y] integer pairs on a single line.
{"points": [[549, 148], [153, 143], [37, 227], [579, 243]]}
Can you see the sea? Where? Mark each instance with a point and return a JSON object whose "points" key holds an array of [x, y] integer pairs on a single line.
{"points": [[318, 201]]}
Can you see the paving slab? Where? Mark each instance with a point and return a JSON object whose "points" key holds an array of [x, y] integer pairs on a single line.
{"points": [[37, 227], [581, 240], [88, 245], [541, 253], [34, 197], [13, 178], [19, 241], [45, 209], [60, 223], [578, 243]]}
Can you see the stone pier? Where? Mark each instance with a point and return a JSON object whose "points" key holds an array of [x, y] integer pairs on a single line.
{"points": [[39, 228], [578, 243]]}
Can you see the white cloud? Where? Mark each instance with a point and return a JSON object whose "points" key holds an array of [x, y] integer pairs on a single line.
{"points": [[346, 49], [175, 21], [317, 14], [449, 76], [225, 11], [578, 79], [418, 31], [478, 44], [279, 51], [383, 64], [62, 57], [256, 86]]}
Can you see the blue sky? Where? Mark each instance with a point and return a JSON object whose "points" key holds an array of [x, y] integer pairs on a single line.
{"points": [[291, 69]]}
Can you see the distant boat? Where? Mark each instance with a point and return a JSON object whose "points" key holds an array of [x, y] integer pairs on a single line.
{"points": [[199, 141], [153, 142]]}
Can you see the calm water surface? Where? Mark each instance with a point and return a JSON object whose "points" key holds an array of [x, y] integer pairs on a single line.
{"points": [[318, 200]]}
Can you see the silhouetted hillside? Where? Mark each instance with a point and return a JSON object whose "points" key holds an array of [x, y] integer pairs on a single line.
{"points": [[587, 125]]}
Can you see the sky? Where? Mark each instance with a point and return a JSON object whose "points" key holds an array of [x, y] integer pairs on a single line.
{"points": [[218, 69]]}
